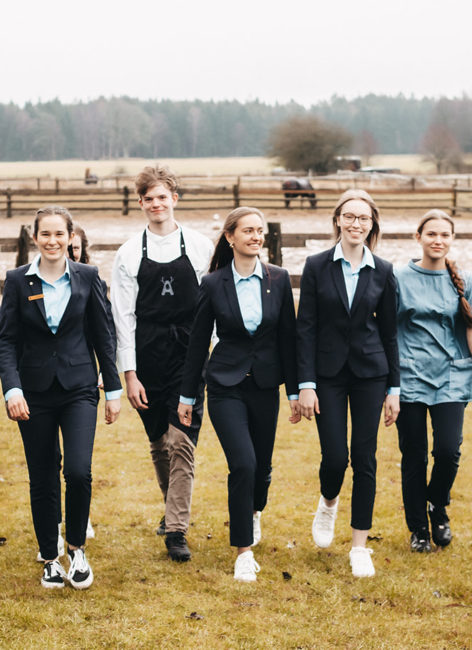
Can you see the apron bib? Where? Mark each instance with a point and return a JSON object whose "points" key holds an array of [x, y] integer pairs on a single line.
{"points": [[165, 308]]}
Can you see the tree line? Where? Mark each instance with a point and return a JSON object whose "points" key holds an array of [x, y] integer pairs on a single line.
{"points": [[123, 126]]}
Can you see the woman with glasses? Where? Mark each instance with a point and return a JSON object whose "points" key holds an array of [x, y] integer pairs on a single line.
{"points": [[347, 353]]}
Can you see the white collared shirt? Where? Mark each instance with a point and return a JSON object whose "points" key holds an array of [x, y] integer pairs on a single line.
{"points": [[248, 290], [124, 283]]}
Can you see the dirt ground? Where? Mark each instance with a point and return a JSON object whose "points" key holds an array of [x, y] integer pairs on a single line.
{"points": [[115, 228]]}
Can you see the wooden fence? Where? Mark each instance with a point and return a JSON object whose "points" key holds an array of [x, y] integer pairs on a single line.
{"points": [[275, 241], [24, 201]]}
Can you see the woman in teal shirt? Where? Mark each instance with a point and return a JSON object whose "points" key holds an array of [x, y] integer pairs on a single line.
{"points": [[435, 343]]}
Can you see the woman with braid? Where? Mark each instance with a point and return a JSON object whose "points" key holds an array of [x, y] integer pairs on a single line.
{"points": [[435, 344]]}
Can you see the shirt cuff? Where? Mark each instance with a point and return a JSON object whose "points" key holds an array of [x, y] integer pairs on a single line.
{"points": [[307, 384], [126, 359], [393, 390], [12, 392], [292, 397], [113, 394], [190, 401]]}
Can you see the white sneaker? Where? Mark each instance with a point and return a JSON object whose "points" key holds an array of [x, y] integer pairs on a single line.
{"points": [[256, 523], [54, 575], [246, 567], [80, 572], [90, 534], [60, 547], [323, 523], [361, 562]]}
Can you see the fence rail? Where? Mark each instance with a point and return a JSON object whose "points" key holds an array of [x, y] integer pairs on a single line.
{"points": [[19, 201], [275, 241]]}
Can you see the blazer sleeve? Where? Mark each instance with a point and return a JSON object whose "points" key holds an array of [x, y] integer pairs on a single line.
{"points": [[9, 329], [199, 342], [102, 337], [387, 320], [287, 338], [307, 325]]}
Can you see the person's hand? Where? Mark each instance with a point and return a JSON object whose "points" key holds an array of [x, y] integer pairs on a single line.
{"points": [[184, 411], [296, 415], [17, 408], [135, 391], [391, 409], [112, 410], [309, 404]]}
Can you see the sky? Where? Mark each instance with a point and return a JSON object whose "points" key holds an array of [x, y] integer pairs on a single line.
{"points": [[305, 51]]}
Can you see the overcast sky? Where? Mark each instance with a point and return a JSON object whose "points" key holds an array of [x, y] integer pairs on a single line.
{"points": [[303, 50]]}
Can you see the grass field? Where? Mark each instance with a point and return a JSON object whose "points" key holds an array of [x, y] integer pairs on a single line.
{"points": [[407, 163], [140, 599]]}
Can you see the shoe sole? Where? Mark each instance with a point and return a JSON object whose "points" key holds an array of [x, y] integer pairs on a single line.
{"points": [[85, 584], [180, 559], [52, 585]]}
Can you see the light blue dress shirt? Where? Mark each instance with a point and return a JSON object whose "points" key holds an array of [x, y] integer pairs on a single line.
{"points": [[435, 361], [248, 291], [56, 297], [351, 278]]}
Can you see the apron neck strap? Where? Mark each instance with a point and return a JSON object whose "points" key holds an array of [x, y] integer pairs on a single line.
{"points": [[182, 244]]}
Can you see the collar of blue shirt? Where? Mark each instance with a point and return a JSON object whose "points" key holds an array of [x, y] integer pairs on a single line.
{"points": [[34, 269], [257, 272], [367, 257]]}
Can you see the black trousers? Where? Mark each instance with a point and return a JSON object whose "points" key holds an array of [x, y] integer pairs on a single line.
{"points": [[447, 420], [75, 413], [245, 421], [366, 397]]}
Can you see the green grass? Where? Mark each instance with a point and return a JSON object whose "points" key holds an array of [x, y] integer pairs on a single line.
{"points": [[140, 599]]}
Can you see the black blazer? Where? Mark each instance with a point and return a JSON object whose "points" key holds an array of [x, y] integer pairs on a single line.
{"points": [[269, 353], [329, 334], [31, 355]]}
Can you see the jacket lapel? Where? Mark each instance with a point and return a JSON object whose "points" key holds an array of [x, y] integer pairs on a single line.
{"points": [[231, 295], [364, 277], [265, 296], [338, 278], [74, 291], [35, 288]]}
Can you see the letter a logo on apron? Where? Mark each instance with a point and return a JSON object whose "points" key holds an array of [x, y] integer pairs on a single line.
{"points": [[167, 286]]}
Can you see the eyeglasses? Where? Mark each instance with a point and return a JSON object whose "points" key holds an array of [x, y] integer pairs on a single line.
{"points": [[363, 220]]}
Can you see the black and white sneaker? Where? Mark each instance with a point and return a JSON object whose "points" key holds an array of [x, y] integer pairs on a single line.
{"points": [[80, 573], [420, 541], [440, 528], [54, 575]]}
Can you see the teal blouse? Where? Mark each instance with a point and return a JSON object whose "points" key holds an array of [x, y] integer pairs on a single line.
{"points": [[435, 361]]}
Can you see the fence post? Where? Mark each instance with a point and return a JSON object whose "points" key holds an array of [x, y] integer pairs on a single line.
{"points": [[125, 208], [274, 243], [454, 199], [236, 193], [8, 198], [57, 185], [38, 183], [24, 242]]}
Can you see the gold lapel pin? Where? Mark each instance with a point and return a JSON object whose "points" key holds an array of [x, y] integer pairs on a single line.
{"points": [[31, 284], [268, 290]]}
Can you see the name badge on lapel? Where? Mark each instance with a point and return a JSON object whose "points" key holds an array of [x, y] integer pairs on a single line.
{"points": [[38, 296]]}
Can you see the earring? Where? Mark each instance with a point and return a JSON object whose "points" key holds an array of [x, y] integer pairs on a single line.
{"points": [[231, 245]]}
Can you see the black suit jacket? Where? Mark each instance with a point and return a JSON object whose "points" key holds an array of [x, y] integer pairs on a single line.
{"points": [[269, 353], [31, 355], [329, 334]]}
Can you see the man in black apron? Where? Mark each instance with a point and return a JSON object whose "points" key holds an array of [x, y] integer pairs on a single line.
{"points": [[154, 296]]}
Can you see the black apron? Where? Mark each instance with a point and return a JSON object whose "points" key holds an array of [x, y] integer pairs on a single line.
{"points": [[165, 309]]}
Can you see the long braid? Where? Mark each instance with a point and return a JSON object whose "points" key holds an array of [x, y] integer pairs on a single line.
{"points": [[458, 282]]}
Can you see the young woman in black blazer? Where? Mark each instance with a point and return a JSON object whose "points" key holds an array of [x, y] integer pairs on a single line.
{"points": [[252, 305], [53, 321], [347, 351]]}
